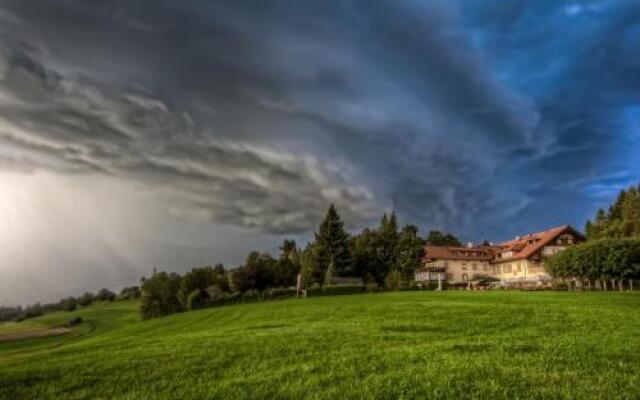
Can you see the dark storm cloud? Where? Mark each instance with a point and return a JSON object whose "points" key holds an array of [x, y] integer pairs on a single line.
{"points": [[259, 114]]}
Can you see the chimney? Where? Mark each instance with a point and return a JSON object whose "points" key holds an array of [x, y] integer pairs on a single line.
{"points": [[469, 245]]}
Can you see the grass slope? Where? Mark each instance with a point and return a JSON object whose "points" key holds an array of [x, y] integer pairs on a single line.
{"points": [[510, 345]]}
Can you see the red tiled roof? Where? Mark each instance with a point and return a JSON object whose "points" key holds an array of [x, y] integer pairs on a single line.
{"points": [[525, 246], [457, 253]]}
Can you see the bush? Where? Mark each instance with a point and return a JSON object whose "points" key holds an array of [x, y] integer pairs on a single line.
{"points": [[129, 293], [559, 286], [409, 285], [160, 295], [75, 322], [222, 298], [197, 299], [433, 285], [371, 286], [282, 293], [392, 281], [85, 299], [69, 304], [335, 290], [598, 259], [105, 295], [251, 295]]}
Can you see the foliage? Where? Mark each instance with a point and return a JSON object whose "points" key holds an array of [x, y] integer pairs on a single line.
{"points": [[69, 304], [621, 220], [331, 244], [307, 264], [130, 293], [334, 290], [598, 259], [160, 295], [197, 299], [410, 250], [281, 293], [393, 279], [387, 243], [258, 273], [379, 252], [86, 299], [437, 238], [200, 279], [105, 294], [367, 264], [288, 265]]}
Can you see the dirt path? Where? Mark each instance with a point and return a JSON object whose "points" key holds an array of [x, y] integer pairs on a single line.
{"points": [[31, 334]]}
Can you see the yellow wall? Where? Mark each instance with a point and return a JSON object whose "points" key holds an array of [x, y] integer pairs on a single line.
{"points": [[462, 271], [515, 269]]}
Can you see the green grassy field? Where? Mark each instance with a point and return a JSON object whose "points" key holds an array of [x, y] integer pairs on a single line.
{"points": [[509, 345]]}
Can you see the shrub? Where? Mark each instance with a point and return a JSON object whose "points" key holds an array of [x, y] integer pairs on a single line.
{"points": [[69, 304], [392, 281], [197, 299], [433, 285], [559, 286], [334, 290], [129, 293], [598, 259], [160, 295], [251, 295], [85, 299], [75, 322], [342, 289], [371, 286], [282, 293], [105, 295]]}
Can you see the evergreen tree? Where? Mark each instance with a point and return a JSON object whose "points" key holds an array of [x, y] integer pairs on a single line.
{"points": [[332, 243], [622, 219]]}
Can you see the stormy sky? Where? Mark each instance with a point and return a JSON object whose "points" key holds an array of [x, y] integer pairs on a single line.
{"points": [[171, 134]]}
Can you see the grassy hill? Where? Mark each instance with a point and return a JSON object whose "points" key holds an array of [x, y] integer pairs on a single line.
{"points": [[393, 345]]}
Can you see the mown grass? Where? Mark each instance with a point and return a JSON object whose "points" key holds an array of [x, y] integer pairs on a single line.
{"points": [[508, 345]]}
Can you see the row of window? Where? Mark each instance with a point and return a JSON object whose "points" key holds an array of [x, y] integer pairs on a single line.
{"points": [[474, 267], [508, 268]]}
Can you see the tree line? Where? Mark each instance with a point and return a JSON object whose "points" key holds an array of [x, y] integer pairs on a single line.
{"points": [[611, 255], [380, 257]]}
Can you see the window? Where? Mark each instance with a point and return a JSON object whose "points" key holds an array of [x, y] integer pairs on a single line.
{"points": [[519, 267], [485, 267], [474, 266], [465, 277], [507, 268]]}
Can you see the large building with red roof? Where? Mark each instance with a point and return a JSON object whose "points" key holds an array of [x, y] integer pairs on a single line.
{"points": [[520, 260]]}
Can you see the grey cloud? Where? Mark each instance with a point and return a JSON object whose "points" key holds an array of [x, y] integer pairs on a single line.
{"points": [[92, 129], [258, 112]]}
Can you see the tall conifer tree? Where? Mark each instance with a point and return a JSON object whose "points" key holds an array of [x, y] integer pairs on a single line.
{"points": [[332, 244]]}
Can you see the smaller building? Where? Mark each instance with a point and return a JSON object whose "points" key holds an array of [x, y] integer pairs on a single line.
{"points": [[516, 262]]}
